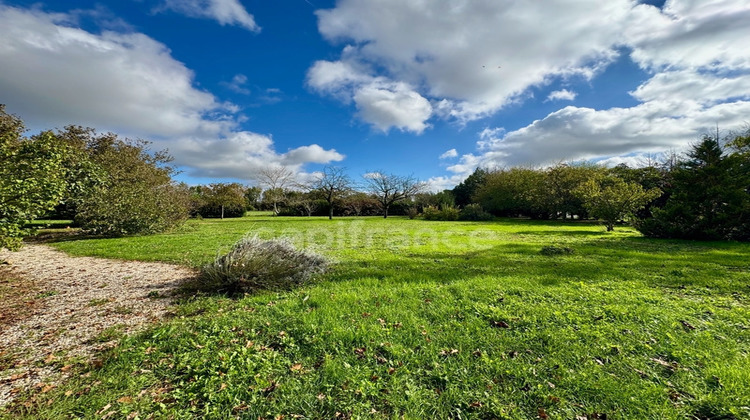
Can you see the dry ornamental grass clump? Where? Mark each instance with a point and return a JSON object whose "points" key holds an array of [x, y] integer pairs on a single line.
{"points": [[254, 264]]}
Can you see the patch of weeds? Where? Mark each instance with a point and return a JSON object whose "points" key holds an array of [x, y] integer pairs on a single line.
{"points": [[115, 332], [98, 302], [7, 360], [154, 295], [122, 310], [46, 294], [550, 250]]}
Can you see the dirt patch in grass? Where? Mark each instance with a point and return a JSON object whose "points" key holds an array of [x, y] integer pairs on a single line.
{"points": [[56, 310], [18, 297]]}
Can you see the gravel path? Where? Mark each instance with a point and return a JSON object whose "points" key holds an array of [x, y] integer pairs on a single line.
{"points": [[81, 298]]}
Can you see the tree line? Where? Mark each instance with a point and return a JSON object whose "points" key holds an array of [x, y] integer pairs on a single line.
{"points": [[113, 186], [108, 185], [704, 194], [330, 192]]}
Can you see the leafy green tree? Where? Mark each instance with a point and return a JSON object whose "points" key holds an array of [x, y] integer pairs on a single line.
{"points": [[463, 193], [710, 196], [32, 178], [513, 192], [82, 174], [560, 185], [647, 177], [252, 197], [224, 199], [612, 199], [137, 195]]}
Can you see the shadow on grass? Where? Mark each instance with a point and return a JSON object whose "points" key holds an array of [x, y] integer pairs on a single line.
{"points": [[673, 264]]}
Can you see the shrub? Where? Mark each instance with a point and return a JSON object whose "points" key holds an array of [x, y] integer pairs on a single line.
{"points": [[255, 264], [474, 212], [137, 195], [431, 213], [446, 214], [550, 250], [412, 212]]}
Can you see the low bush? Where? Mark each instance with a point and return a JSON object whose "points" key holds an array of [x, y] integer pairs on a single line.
{"points": [[474, 212], [550, 250], [255, 264], [445, 214]]}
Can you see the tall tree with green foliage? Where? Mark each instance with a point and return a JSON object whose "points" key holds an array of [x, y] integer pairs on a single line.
{"points": [[560, 185], [32, 178], [612, 199], [514, 192], [463, 193], [710, 196], [224, 199], [252, 197]]}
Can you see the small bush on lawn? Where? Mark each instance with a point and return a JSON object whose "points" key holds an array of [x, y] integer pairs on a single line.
{"points": [[550, 250], [254, 264], [474, 212], [445, 214]]}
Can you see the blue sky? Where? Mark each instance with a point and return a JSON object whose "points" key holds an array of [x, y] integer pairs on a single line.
{"points": [[433, 89]]}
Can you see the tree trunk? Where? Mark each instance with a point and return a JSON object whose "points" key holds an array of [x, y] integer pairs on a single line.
{"points": [[385, 213], [610, 227], [330, 212], [222, 212]]}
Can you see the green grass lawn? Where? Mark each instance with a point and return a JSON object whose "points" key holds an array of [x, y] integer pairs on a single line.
{"points": [[422, 319]]}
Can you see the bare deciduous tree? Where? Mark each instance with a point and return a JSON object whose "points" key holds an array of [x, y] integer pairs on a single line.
{"points": [[389, 188], [275, 180], [332, 184]]}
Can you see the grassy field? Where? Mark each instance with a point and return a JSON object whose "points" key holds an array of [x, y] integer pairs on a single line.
{"points": [[431, 320]]}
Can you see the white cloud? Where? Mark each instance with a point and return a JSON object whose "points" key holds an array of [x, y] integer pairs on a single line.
{"points": [[226, 12], [562, 95], [699, 65], [382, 103], [474, 57], [393, 105], [691, 34], [574, 133], [452, 153], [53, 74], [243, 154], [693, 86], [311, 154], [238, 84]]}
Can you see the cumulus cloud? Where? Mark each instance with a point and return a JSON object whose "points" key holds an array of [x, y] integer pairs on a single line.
{"points": [[452, 153], [562, 95], [465, 55], [382, 103], [574, 133], [698, 64], [53, 74], [244, 154], [226, 12]]}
